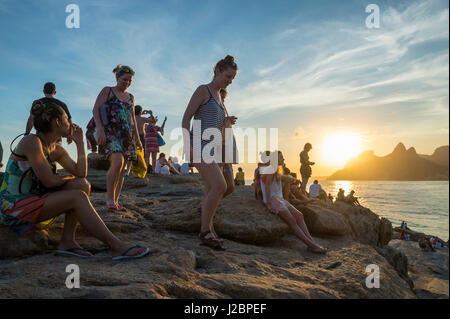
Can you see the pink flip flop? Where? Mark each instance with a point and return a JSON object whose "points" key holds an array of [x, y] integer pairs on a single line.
{"points": [[111, 206]]}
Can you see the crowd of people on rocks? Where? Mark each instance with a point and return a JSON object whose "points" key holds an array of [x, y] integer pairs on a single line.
{"points": [[426, 243], [122, 135]]}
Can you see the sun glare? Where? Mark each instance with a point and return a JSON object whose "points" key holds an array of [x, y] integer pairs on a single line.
{"points": [[339, 148]]}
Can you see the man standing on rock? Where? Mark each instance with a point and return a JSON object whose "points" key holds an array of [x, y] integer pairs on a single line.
{"points": [[49, 96], [305, 168]]}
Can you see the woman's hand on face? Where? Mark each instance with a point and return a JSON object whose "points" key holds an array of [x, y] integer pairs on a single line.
{"points": [[77, 134], [69, 138]]}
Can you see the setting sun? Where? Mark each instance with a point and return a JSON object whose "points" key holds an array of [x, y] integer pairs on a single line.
{"points": [[339, 148]]}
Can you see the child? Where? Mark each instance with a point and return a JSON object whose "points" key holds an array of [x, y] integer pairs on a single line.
{"points": [[240, 179], [151, 140]]}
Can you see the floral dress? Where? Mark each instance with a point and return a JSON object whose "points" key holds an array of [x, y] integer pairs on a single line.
{"points": [[120, 129]]}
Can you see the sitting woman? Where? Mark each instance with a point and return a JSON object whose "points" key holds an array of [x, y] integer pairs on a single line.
{"points": [[33, 195], [273, 198], [164, 167]]}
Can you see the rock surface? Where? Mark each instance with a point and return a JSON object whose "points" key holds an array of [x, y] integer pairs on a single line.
{"points": [[428, 270], [263, 258]]}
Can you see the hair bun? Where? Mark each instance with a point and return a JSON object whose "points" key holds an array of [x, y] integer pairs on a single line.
{"points": [[38, 108], [117, 68], [229, 58]]}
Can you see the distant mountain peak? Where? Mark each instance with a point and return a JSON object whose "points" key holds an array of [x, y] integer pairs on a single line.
{"points": [[400, 148], [412, 150]]}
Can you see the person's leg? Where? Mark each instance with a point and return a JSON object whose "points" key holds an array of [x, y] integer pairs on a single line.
{"points": [[146, 156], [116, 163], [215, 187], [300, 221], [304, 183], [173, 170], [228, 176], [70, 220], [292, 222], [120, 182], [77, 202], [154, 161]]}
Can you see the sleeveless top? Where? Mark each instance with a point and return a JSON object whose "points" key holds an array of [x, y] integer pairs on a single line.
{"points": [[119, 129], [275, 189], [211, 115], [17, 186]]}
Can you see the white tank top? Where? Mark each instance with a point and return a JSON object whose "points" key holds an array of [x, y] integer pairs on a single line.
{"points": [[275, 189]]}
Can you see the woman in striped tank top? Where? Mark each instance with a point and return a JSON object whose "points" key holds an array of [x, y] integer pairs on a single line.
{"points": [[206, 107]]}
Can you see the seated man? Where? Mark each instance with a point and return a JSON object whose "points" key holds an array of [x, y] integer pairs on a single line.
{"points": [[330, 197], [425, 244], [352, 200], [240, 177], [341, 195], [316, 191]]}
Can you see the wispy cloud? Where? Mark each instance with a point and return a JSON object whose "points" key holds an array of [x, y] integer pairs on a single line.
{"points": [[366, 67]]}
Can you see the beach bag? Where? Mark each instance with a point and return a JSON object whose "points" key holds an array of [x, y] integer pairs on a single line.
{"points": [[139, 168], [91, 132], [161, 141]]}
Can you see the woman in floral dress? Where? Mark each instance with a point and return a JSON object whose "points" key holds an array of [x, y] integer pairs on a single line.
{"points": [[116, 130]]}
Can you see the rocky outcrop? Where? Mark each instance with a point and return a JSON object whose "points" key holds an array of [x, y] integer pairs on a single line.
{"points": [[263, 258], [401, 164], [13, 247], [428, 270]]}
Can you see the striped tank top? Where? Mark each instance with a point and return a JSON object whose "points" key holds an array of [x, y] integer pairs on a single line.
{"points": [[211, 115]]}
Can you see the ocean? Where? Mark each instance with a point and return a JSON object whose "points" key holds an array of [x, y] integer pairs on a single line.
{"points": [[423, 205]]}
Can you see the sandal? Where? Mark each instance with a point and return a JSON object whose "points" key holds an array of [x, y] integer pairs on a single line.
{"points": [[210, 242], [72, 252], [320, 250], [124, 255]]}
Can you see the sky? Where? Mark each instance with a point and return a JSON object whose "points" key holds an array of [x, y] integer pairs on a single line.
{"points": [[311, 69]]}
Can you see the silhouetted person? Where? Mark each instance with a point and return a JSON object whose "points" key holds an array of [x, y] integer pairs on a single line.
{"points": [[341, 195], [240, 179], [305, 168], [352, 200]]}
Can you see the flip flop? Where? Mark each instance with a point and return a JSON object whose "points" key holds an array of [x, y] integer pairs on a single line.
{"points": [[124, 254], [111, 206], [120, 208], [71, 252]]}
